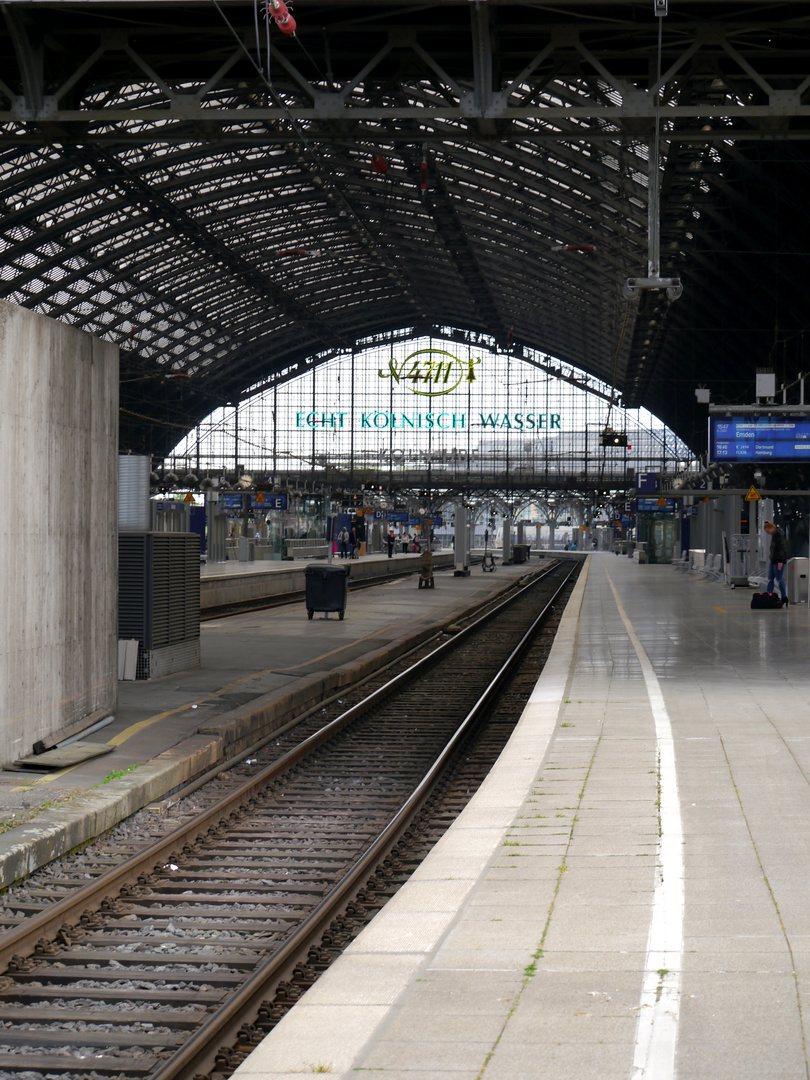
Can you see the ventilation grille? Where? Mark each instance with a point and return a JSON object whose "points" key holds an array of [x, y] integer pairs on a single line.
{"points": [[158, 591]]}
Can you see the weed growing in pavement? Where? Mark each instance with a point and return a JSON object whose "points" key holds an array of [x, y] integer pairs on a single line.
{"points": [[116, 774]]}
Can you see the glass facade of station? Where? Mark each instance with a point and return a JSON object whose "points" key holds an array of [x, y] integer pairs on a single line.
{"points": [[454, 407]]}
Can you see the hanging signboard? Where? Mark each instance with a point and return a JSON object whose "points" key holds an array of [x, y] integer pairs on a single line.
{"points": [[256, 502], [759, 438], [654, 506]]}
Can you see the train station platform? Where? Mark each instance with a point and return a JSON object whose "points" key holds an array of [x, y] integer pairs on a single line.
{"points": [[257, 670], [236, 584], [626, 895]]}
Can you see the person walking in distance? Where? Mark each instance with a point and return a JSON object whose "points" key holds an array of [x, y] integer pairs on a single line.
{"points": [[343, 542], [777, 559]]}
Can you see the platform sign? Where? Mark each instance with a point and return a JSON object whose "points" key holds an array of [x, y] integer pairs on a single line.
{"points": [[257, 502], [759, 438], [654, 506], [646, 483]]}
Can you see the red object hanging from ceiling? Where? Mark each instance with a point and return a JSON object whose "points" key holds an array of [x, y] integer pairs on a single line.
{"points": [[281, 16]]}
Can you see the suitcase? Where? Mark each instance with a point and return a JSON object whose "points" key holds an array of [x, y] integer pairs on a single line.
{"points": [[764, 600]]}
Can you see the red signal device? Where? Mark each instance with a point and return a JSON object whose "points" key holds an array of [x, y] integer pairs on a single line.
{"points": [[423, 177], [281, 16], [379, 163]]}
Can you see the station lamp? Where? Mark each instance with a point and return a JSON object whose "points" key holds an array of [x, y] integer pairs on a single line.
{"points": [[609, 437]]}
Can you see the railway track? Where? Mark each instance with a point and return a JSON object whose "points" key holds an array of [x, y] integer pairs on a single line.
{"points": [[195, 944]]}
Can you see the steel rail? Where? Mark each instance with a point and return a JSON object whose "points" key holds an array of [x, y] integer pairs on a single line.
{"points": [[22, 940], [26, 938], [197, 1054]]}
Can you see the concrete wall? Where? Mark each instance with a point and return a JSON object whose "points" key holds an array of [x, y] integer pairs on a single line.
{"points": [[58, 574]]}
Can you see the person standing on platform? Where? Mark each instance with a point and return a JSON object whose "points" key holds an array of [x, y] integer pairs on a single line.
{"points": [[353, 542], [390, 540], [343, 541], [777, 559]]}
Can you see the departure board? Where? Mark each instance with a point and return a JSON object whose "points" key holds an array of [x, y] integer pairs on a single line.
{"points": [[759, 438]]}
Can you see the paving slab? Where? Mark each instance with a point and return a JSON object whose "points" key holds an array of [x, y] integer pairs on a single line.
{"points": [[555, 934], [257, 670]]}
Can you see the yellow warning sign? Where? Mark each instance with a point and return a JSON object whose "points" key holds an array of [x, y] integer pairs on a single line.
{"points": [[189, 497], [260, 498], [662, 501], [753, 495]]}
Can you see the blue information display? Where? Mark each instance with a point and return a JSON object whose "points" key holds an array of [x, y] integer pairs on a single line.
{"points": [[268, 502], [759, 438], [655, 506]]}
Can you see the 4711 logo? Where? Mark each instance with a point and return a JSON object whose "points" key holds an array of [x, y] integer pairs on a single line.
{"points": [[431, 372]]}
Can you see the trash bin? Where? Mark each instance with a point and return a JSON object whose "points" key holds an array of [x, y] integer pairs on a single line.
{"points": [[797, 581], [327, 588], [519, 553]]}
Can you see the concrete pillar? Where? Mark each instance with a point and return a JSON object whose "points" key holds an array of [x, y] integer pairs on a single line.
{"points": [[507, 540], [59, 576], [216, 524], [461, 543]]}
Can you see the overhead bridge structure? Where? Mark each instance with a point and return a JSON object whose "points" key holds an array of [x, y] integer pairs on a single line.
{"points": [[231, 205]]}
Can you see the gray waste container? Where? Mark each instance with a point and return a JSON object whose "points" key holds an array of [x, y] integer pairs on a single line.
{"points": [[519, 553], [327, 588], [797, 570]]}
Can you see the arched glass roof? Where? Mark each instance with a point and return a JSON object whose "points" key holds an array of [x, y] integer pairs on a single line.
{"points": [[226, 203], [443, 411]]}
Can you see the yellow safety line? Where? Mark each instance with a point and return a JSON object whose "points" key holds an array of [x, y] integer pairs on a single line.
{"points": [[122, 737], [127, 733]]}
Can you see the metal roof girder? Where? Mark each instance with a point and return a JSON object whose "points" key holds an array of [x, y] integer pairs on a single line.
{"points": [[31, 59]]}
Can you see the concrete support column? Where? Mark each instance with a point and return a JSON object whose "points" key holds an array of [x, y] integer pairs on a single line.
{"points": [[59, 578], [507, 540], [730, 522], [461, 543], [217, 526]]}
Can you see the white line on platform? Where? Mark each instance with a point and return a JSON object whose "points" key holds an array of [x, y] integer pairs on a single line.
{"points": [[659, 1012]]}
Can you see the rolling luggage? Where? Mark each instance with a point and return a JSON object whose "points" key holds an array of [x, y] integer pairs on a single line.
{"points": [[766, 600]]}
